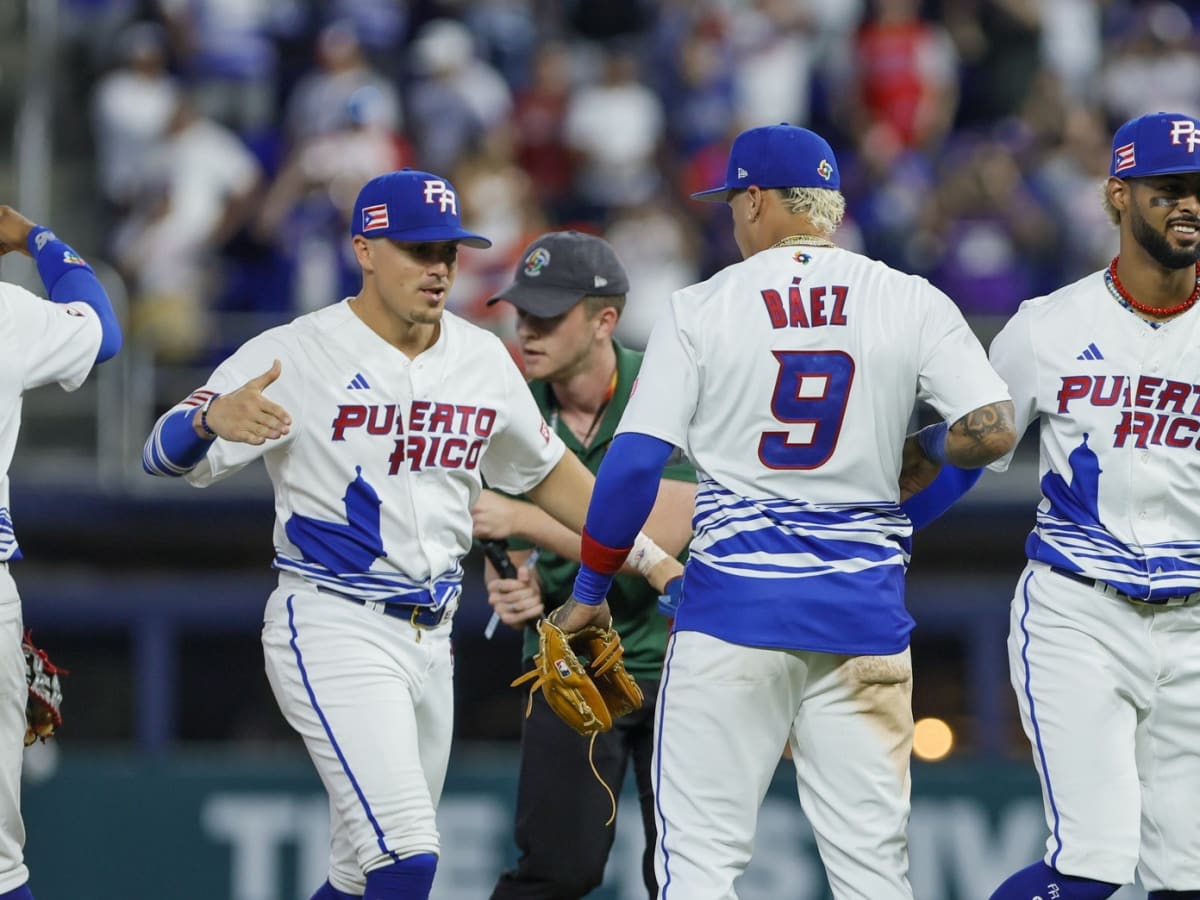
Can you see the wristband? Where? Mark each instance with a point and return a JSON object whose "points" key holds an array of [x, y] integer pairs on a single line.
{"points": [[932, 441], [208, 432], [600, 557], [645, 554]]}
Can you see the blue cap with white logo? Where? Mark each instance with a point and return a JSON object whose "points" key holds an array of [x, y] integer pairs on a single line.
{"points": [[777, 156], [411, 206], [1159, 143]]}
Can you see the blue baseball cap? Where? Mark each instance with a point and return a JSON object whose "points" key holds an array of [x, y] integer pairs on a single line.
{"points": [[1159, 143], [411, 206], [777, 156]]}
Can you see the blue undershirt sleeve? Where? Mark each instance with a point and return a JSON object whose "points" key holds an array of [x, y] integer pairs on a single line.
{"points": [[631, 471], [173, 447], [943, 492], [68, 279]]}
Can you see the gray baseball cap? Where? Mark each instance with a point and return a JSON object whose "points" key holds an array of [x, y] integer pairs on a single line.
{"points": [[559, 269]]}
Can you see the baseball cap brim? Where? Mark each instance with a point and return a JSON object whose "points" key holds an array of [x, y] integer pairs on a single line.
{"points": [[1165, 170], [439, 233], [544, 301], [713, 195]]}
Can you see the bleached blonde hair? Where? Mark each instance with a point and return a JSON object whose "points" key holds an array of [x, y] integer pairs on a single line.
{"points": [[823, 207]]}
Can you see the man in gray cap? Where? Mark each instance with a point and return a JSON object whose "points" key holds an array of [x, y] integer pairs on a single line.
{"points": [[569, 291]]}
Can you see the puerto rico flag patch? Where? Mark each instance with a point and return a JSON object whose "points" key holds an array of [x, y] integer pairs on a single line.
{"points": [[1124, 158], [375, 217]]}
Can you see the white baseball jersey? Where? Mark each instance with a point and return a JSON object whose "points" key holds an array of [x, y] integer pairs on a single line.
{"points": [[374, 483], [42, 342], [1119, 405], [790, 379]]}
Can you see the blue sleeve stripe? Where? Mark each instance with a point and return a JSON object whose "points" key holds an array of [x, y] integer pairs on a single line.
{"points": [[173, 447]]}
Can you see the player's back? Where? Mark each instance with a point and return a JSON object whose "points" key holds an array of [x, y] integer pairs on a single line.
{"points": [[790, 380], [810, 363]]}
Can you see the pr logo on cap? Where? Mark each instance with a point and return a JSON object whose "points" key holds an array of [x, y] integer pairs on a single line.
{"points": [[1184, 130], [375, 217]]}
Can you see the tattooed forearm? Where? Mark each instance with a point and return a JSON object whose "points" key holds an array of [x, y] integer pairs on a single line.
{"points": [[982, 435]]}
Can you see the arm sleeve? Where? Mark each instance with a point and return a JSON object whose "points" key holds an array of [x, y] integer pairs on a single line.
{"points": [[631, 471], [69, 279], [945, 490], [173, 447]]}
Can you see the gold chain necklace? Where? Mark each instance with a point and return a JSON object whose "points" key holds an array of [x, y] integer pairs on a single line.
{"points": [[802, 240]]}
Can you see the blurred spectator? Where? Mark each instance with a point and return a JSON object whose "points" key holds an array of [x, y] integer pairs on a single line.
{"points": [[698, 90], [227, 55], [1155, 65], [200, 191], [904, 89], [1070, 178], [130, 109], [1000, 45], [1071, 45], [993, 242], [306, 209], [657, 245], [615, 129], [320, 100], [507, 34], [456, 99], [539, 111], [774, 61]]}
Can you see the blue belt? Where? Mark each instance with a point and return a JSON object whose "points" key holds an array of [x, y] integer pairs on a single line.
{"points": [[1108, 590], [420, 616]]}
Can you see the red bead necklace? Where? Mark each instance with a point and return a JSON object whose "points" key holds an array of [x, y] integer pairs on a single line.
{"points": [[1152, 310]]}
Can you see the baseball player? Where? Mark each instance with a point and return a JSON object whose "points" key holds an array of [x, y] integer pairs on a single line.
{"points": [[377, 417], [1104, 647], [569, 292], [43, 343], [789, 379]]}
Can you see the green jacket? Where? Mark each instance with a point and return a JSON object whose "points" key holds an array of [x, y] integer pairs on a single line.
{"points": [[634, 603]]}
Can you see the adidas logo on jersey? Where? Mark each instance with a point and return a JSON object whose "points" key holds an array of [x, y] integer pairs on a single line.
{"points": [[1091, 351], [358, 383]]}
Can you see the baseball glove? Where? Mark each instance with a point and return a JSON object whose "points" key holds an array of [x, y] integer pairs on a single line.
{"points": [[587, 696], [42, 710]]}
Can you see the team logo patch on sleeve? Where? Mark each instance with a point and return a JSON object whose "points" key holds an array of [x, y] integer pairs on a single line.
{"points": [[375, 217]]}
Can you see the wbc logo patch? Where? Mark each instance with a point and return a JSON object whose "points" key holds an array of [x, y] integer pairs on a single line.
{"points": [[375, 217], [825, 170]]}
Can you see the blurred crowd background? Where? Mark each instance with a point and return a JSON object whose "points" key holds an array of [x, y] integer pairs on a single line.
{"points": [[204, 153]]}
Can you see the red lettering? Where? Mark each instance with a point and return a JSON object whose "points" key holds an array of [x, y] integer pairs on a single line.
{"points": [[431, 456], [1158, 428], [464, 417], [774, 304], [397, 457], [839, 304], [1174, 392], [348, 417], [473, 452], [816, 307], [1133, 425], [1073, 387], [375, 426], [796, 306], [485, 421], [1145, 391], [416, 415], [442, 418], [414, 449], [1098, 398], [453, 451], [1174, 439]]}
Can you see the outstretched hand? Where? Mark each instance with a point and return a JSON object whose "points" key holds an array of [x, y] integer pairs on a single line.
{"points": [[14, 231], [246, 415]]}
